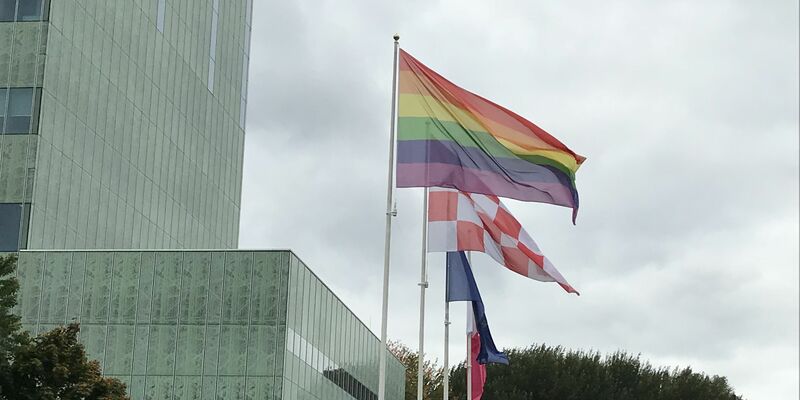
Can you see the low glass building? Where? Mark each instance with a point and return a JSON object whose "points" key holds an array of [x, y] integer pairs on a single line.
{"points": [[207, 324]]}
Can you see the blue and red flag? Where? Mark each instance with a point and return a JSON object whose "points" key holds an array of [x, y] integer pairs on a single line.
{"points": [[461, 286]]}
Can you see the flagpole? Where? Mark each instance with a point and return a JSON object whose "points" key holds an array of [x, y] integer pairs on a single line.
{"points": [[423, 284], [446, 378], [469, 344], [388, 238], [469, 356]]}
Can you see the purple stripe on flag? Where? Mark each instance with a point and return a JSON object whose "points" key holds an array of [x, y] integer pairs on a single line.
{"points": [[448, 152], [484, 182]]}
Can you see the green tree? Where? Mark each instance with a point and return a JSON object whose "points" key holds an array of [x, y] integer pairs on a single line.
{"points": [[432, 374], [52, 365], [10, 332], [549, 373]]}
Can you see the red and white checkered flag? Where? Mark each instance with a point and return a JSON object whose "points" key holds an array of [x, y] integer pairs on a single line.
{"points": [[459, 221]]}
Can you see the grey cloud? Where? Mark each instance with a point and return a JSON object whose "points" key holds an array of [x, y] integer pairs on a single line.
{"points": [[686, 244]]}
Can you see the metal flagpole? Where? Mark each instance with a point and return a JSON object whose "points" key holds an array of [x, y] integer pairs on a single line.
{"points": [[423, 284], [469, 353], [387, 243], [470, 319], [446, 378]]}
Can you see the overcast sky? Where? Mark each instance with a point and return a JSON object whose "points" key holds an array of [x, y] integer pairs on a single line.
{"points": [[686, 245]]}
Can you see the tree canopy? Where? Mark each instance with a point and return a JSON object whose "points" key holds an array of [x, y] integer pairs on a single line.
{"points": [[432, 374], [551, 372], [52, 365], [544, 372], [10, 332]]}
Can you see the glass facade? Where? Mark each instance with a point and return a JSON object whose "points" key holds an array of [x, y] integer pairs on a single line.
{"points": [[22, 48], [329, 353], [117, 131], [206, 324], [122, 127]]}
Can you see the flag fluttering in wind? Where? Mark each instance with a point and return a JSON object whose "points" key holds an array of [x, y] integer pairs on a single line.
{"points": [[477, 370], [449, 137], [461, 286], [459, 221]]}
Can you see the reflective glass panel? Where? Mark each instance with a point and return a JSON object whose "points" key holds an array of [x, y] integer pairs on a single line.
{"points": [[29, 10], [20, 106], [162, 5], [7, 8], [126, 301], [10, 215]]}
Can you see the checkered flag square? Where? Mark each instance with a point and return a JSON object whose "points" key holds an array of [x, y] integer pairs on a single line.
{"points": [[460, 221]]}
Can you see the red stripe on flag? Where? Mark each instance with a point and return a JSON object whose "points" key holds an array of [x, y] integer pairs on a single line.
{"points": [[478, 105], [478, 371]]}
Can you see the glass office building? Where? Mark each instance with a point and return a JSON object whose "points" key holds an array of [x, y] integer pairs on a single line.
{"points": [[122, 122], [207, 324], [122, 127]]}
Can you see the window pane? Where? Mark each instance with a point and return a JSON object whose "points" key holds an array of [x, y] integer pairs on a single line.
{"points": [[212, 56], [30, 10], [18, 124], [3, 95], [20, 100], [10, 215], [213, 45], [211, 67], [3, 98], [19, 110], [7, 10], [162, 4]]}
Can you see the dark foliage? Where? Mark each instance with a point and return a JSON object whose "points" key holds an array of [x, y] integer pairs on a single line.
{"points": [[553, 373], [52, 365], [10, 332]]}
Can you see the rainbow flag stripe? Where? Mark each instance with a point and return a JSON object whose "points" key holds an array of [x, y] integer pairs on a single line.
{"points": [[450, 137]]}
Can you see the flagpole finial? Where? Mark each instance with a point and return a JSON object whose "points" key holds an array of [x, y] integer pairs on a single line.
{"points": [[396, 37]]}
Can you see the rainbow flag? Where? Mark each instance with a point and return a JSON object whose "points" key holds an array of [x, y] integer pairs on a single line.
{"points": [[450, 137]]}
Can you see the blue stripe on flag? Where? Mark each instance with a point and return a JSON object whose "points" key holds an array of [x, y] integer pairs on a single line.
{"points": [[461, 286]]}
